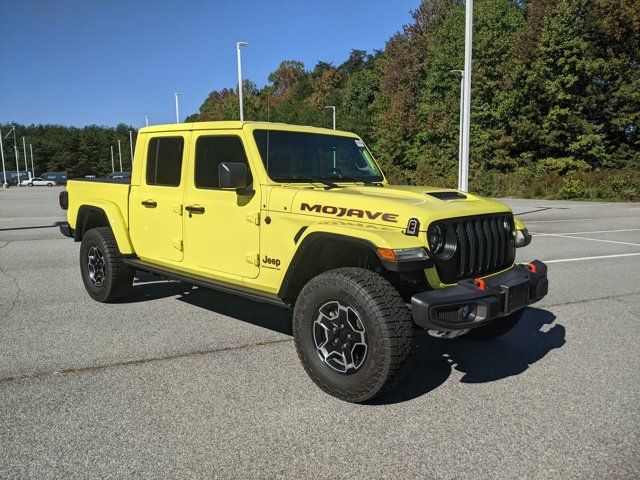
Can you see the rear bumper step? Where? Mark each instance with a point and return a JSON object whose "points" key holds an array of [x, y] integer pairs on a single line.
{"points": [[472, 303]]}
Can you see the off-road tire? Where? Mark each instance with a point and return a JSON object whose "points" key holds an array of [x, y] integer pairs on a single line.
{"points": [[118, 276], [387, 322], [495, 329]]}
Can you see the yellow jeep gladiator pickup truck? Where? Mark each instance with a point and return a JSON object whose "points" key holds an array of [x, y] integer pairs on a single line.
{"points": [[304, 218]]}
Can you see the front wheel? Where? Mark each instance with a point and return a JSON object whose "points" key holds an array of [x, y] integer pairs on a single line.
{"points": [[106, 277], [49, 184], [495, 329], [353, 333]]}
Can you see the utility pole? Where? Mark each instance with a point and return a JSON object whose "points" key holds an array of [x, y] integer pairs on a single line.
{"points": [[238, 45], [113, 166], [33, 170], [468, 39], [15, 149], [146, 120], [461, 72], [131, 146], [26, 164], [4, 171], [334, 114], [120, 154], [177, 94]]}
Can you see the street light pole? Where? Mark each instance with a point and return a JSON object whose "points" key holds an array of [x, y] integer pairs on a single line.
{"points": [[461, 72], [468, 39], [332, 107], [238, 45], [15, 149], [113, 167], [146, 120], [177, 94], [120, 154], [33, 170], [4, 171], [26, 164], [131, 146]]}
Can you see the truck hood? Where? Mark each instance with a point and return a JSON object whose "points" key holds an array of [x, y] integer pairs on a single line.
{"points": [[392, 206]]}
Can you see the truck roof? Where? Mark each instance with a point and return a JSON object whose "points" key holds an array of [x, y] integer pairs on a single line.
{"points": [[237, 125]]}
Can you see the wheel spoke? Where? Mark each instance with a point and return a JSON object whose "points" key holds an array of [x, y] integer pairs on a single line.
{"points": [[340, 337]]}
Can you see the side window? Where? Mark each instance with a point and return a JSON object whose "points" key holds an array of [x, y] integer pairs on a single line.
{"points": [[210, 152], [164, 161]]}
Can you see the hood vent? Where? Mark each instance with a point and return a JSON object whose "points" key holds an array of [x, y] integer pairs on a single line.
{"points": [[448, 195]]}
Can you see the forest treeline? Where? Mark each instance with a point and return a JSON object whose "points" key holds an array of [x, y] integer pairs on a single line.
{"points": [[555, 99]]}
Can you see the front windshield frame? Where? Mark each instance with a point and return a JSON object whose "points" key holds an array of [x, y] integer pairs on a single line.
{"points": [[374, 175]]}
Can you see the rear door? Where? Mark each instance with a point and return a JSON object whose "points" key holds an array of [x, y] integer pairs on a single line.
{"points": [[223, 235], [156, 205]]}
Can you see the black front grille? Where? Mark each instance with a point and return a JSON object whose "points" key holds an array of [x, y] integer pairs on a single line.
{"points": [[448, 195], [483, 245]]}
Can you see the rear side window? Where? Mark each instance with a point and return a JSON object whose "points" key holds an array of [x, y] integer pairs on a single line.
{"points": [[210, 152], [164, 161]]}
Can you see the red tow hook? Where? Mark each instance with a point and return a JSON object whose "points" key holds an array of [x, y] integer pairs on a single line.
{"points": [[480, 283], [532, 267]]}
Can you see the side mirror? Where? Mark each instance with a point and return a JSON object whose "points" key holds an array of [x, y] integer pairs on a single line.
{"points": [[233, 175]]}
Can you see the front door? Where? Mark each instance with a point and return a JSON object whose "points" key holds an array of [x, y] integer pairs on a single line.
{"points": [[156, 204], [221, 227]]}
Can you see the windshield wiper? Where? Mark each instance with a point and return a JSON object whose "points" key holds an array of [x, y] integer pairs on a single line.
{"points": [[305, 179], [354, 179]]}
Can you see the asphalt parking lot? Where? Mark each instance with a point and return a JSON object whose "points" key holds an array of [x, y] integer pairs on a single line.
{"points": [[178, 381]]}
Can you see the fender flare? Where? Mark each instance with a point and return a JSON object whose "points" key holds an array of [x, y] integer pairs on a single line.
{"points": [[116, 221], [361, 235]]}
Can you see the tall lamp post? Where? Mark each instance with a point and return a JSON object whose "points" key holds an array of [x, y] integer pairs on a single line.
{"points": [[146, 120], [113, 165], [33, 170], [4, 171], [238, 46], [131, 146], [120, 154], [15, 149], [177, 94], [332, 107], [26, 164], [466, 124], [461, 72]]}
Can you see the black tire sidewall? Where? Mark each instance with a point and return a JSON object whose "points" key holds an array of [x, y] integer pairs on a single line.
{"points": [[102, 238], [374, 375]]}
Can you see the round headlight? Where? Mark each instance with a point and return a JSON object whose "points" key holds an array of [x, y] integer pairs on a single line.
{"points": [[436, 239]]}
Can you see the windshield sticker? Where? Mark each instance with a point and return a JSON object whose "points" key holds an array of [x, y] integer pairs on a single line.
{"points": [[360, 143]]}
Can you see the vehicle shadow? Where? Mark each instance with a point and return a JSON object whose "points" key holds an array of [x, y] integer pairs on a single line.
{"points": [[434, 359], [148, 286]]}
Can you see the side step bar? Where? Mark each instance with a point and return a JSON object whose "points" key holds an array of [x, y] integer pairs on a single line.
{"points": [[206, 282]]}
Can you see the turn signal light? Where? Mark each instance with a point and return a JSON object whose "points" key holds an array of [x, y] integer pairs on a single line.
{"points": [[403, 254]]}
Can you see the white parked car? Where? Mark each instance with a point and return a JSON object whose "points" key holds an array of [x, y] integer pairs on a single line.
{"points": [[38, 182]]}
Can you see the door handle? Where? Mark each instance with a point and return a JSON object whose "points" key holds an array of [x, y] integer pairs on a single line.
{"points": [[194, 209], [149, 203]]}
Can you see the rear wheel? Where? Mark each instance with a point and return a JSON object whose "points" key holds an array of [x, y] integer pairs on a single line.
{"points": [[49, 184], [496, 328], [353, 333], [104, 273]]}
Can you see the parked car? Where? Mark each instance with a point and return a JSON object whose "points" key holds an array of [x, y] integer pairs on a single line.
{"points": [[119, 175], [38, 182], [59, 178]]}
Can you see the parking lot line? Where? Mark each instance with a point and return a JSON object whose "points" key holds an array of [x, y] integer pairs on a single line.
{"points": [[564, 235], [592, 258], [585, 233]]}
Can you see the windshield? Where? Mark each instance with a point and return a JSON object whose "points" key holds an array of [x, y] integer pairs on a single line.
{"points": [[312, 157]]}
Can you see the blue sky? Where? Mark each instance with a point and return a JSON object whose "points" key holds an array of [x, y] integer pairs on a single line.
{"points": [[79, 62]]}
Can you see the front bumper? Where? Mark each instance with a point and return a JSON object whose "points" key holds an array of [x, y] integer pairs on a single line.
{"points": [[475, 302]]}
